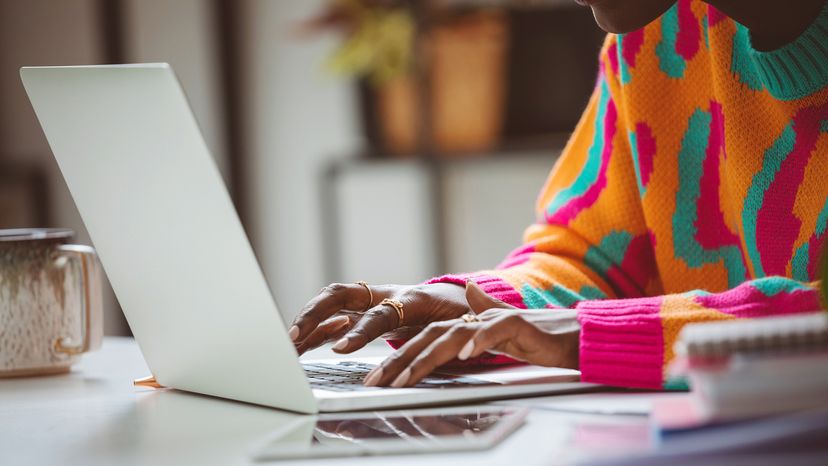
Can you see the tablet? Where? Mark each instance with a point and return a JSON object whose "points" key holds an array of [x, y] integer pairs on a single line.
{"points": [[393, 432]]}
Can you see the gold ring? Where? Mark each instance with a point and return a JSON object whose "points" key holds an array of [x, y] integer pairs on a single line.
{"points": [[398, 306], [469, 318], [370, 294]]}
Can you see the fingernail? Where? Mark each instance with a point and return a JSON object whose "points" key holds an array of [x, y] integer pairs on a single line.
{"points": [[341, 344], [402, 378], [340, 321], [466, 351], [373, 377], [293, 333]]}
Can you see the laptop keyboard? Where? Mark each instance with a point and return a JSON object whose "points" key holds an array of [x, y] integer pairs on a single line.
{"points": [[347, 376]]}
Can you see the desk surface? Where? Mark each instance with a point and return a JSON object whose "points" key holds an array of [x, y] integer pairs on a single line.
{"points": [[95, 416]]}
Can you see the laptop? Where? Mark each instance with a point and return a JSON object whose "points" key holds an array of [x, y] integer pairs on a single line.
{"points": [[182, 268]]}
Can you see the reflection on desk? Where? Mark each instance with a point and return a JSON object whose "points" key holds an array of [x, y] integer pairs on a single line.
{"points": [[94, 416]]}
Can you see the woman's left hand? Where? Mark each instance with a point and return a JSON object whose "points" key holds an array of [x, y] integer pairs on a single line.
{"points": [[545, 337]]}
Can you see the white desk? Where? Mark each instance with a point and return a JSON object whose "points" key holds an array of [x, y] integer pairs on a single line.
{"points": [[94, 416]]}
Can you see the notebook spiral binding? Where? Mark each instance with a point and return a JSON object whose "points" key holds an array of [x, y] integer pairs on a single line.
{"points": [[797, 333]]}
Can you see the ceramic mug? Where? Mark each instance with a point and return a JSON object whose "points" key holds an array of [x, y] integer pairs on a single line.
{"points": [[50, 301]]}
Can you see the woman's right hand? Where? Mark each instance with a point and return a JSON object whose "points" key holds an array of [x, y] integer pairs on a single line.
{"points": [[343, 313]]}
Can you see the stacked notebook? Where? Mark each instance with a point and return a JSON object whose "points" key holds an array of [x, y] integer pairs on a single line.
{"points": [[744, 369]]}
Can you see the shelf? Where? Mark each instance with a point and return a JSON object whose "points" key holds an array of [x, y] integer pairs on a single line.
{"points": [[516, 147], [512, 4]]}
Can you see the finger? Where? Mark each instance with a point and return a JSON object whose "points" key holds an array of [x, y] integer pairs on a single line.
{"points": [[492, 335], [442, 350], [390, 368], [480, 301], [374, 322], [332, 299], [328, 330]]}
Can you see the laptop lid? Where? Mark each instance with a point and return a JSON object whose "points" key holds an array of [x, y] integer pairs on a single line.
{"points": [[166, 232]]}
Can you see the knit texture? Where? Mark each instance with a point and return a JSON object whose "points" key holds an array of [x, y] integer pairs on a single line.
{"points": [[798, 68], [693, 189]]}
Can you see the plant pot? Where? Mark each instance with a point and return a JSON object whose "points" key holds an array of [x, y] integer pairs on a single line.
{"points": [[398, 115], [466, 61]]}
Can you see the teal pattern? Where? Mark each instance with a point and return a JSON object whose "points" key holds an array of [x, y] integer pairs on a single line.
{"points": [[592, 167], [685, 246], [801, 259], [772, 286], [637, 163], [623, 67], [676, 383], [799, 262], [822, 220], [771, 163], [705, 27], [558, 295], [741, 64], [669, 61], [609, 252]]}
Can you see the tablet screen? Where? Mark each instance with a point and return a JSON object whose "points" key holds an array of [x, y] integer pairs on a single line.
{"points": [[396, 432], [402, 425]]}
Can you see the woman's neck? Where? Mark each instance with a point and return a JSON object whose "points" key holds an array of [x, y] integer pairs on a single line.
{"points": [[772, 23]]}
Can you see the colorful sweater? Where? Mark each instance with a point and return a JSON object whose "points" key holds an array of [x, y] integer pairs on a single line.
{"points": [[694, 188]]}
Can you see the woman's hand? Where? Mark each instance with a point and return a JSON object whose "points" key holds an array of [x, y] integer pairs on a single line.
{"points": [[546, 337], [351, 316]]}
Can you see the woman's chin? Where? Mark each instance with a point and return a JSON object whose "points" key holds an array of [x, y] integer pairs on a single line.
{"points": [[611, 24], [622, 16]]}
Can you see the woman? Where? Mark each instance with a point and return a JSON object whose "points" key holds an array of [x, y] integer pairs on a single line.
{"points": [[693, 189]]}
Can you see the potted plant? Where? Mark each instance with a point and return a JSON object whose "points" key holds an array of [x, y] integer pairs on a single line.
{"points": [[461, 53]]}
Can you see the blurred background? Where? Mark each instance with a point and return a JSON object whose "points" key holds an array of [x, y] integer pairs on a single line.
{"points": [[378, 140]]}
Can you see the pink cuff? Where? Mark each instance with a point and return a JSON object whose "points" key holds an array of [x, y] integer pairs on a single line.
{"points": [[494, 286], [622, 343]]}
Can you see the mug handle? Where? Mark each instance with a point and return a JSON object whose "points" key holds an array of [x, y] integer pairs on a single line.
{"points": [[86, 261]]}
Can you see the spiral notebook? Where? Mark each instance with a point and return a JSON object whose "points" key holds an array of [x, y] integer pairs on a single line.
{"points": [[743, 369], [792, 333]]}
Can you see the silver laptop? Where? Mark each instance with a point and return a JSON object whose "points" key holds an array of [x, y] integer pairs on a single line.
{"points": [[181, 265]]}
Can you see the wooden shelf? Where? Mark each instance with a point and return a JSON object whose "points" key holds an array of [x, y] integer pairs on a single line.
{"points": [[512, 4], [525, 146]]}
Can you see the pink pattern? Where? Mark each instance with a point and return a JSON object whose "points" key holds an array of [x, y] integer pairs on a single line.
{"points": [[569, 211], [495, 287], [513, 261], [714, 16], [612, 56], [713, 233], [745, 301], [815, 245], [631, 45], [635, 270], [687, 42], [776, 225], [519, 256], [646, 151]]}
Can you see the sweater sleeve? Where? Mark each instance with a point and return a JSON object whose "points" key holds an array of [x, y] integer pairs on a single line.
{"points": [[589, 239], [629, 342]]}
